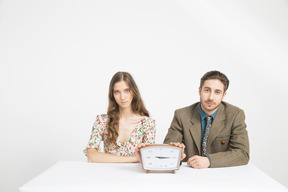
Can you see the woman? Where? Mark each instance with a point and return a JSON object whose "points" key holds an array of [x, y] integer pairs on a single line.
{"points": [[126, 124]]}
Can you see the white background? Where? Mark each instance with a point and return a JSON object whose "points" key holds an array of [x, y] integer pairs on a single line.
{"points": [[57, 59]]}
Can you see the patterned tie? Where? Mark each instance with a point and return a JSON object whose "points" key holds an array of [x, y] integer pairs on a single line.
{"points": [[206, 134]]}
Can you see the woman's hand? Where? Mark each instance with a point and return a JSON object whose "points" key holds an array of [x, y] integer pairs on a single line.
{"points": [[137, 150]]}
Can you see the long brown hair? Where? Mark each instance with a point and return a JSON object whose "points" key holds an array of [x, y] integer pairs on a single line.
{"points": [[137, 104]]}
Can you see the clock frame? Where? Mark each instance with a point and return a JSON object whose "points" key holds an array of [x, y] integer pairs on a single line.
{"points": [[160, 158]]}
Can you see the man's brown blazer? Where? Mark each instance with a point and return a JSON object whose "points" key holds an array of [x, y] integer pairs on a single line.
{"points": [[227, 143]]}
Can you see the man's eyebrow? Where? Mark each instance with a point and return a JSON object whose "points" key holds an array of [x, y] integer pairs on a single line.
{"points": [[206, 88]]}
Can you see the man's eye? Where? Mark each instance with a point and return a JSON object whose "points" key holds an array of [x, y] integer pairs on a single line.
{"points": [[218, 92], [207, 90]]}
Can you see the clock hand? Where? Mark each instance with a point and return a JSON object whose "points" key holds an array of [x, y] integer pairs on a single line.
{"points": [[162, 157]]}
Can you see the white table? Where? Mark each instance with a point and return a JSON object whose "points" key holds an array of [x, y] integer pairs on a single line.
{"points": [[98, 177]]}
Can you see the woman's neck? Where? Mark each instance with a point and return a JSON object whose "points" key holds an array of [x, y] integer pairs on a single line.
{"points": [[126, 113]]}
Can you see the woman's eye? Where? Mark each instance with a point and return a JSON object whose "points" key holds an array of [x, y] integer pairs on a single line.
{"points": [[127, 90], [116, 92]]}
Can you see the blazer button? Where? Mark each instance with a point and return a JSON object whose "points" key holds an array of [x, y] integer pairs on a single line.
{"points": [[222, 142]]}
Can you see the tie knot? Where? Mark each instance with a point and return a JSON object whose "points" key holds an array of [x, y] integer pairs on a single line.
{"points": [[209, 119]]}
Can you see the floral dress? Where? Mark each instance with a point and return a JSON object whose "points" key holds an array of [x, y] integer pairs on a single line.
{"points": [[144, 132]]}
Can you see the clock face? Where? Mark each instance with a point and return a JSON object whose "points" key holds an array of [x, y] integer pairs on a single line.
{"points": [[160, 157]]}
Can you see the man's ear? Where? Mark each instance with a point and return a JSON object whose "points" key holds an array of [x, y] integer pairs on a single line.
{"points": [[224, 95], [199, 90]]}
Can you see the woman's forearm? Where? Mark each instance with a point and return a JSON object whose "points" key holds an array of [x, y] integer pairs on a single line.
{"points": [[95, 156]]}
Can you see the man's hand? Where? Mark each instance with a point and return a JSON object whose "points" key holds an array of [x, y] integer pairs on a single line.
{"points": [[198, 162], [183, 155]]}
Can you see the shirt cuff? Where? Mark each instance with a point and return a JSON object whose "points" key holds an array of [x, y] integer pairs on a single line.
{"points": [[209, 160]]}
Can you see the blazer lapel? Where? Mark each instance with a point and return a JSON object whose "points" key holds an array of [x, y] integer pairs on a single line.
{"points": [[195, 129], [217, 125]]}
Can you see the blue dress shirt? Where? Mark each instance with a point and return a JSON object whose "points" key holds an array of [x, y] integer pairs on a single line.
{"points": [[203, 116]]}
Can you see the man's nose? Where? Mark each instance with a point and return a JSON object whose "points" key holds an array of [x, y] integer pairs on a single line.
{"points": [[211, 96]]}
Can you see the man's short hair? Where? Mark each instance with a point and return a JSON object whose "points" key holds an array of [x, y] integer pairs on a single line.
{"points": [[215, 75]]}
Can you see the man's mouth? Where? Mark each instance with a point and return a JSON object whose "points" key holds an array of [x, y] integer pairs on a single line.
{"points": [[209, 102]]}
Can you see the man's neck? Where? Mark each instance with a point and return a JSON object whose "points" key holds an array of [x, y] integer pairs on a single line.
{"points": [[209, 113]]}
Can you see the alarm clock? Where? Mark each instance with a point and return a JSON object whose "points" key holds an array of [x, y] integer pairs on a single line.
{"points": [[160, 158]]}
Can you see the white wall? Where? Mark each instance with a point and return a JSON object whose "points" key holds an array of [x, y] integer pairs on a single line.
{"points": [[57, 58]]}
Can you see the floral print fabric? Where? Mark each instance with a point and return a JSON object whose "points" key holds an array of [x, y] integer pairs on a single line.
{"points": [[144, 132]]}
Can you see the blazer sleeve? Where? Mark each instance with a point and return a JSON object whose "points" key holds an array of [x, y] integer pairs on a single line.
{"points": [[175, 132], [238, 150]]}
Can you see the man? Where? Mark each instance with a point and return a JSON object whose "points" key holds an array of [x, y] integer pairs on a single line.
{"points": [[213, 132]]}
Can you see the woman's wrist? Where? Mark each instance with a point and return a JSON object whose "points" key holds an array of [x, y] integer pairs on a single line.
{"points": [[134, 159]]}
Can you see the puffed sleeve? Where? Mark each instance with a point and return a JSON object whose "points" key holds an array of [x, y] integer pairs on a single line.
{"points": [[96, 134], [149, 131]]}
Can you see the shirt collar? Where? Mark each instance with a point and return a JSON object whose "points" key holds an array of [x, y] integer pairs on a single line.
{"points": [[203, 115]]}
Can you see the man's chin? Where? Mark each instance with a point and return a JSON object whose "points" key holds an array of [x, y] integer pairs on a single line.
{"points": [[210, 108]]}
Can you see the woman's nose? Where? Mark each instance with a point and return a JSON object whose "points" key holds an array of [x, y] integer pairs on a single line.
{"points": [[122, 96]]}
